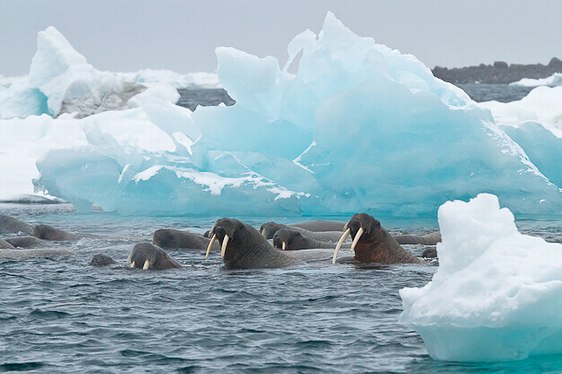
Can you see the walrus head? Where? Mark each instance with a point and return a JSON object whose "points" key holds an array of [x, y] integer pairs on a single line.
{"points": [[269, 229], [148, 256], [364, 229], [238, 240], [164, 238], [288, 239]]}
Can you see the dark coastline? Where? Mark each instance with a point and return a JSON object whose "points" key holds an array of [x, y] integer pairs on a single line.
{"points": [[498, 73]]}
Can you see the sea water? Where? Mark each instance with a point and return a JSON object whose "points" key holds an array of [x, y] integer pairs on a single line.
{"points": [[62, 315]]}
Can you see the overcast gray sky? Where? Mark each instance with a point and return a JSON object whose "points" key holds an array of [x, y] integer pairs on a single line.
{"points": [[181, 35]]}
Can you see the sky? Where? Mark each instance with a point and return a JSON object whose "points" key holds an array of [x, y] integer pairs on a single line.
{"points": [[181, 35]]}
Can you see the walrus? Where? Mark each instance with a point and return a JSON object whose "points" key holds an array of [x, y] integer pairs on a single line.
{"points": [[292, 239], [430, 253], [5, 245], [428, 239], [149, 256], [371, 243], [22, 254], [243, 247], [101, 259], [268, 229], [25, 241], [171, 238], [51, 233], [9, 224]]}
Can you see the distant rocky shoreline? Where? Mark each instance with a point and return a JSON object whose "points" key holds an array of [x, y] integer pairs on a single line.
{"points": [[498, 73]]}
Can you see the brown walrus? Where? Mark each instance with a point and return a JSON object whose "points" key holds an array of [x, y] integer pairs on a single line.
{"points": [[371, 243]]}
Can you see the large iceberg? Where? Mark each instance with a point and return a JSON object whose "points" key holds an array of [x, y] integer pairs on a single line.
{"points": [[357, 127], [497, 294]]}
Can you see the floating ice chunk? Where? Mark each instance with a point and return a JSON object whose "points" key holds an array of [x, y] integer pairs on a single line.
{"points": [[151, 77], [554, 80], [70, 83], [157, 92], [497, 293], [18, 99], [541, 105]]}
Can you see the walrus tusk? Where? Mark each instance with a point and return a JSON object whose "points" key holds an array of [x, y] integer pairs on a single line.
{"points": [[357, 237], [284, 246], [340, 243], [210, 246], [224, 244], [146, 265], [263, 232], [133, 264]]}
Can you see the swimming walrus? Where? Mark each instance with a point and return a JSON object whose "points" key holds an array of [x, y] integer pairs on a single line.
{"points": [[268, 229], [5, 245], [243, 247], [9, 224], [149, 256], [51, 233], [171, 238], [428, 239], [372, 244], [25, 241], [291, 239]]}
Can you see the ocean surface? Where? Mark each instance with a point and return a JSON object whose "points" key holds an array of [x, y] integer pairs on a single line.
{"points": [[62, 315], [192, 97]]}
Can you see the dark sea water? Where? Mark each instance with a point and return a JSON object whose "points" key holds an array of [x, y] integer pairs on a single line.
{"points": [[500, 92], [192, 97], [62, 315]]}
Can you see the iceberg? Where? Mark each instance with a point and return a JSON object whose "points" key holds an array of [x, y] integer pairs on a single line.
{"points": [[541, 105], [554, 80], [356, 126], [497, 293]]}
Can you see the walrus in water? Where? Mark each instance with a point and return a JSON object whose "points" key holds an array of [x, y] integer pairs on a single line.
{"points": [[100, 260], [10, 224], [291, 239], [148, 256], [371, 243], [428, 239], [5, 245], [268, 229], [171, 238], [23, 254], [51, 233], [25, 241], [243, 247]]}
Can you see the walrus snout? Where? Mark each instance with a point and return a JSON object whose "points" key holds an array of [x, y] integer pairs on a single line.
{"points": [[219, 232]]}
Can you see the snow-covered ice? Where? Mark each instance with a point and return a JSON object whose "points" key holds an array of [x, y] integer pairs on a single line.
{"points": [[356, 127], [497, 294]]}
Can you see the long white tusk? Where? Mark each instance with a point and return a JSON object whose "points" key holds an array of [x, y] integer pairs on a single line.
{"points": [[340, 243], [284, 246], [146, 265], [263, 232], [224, 244], [133, 264], [210, 246], [357, 237]]}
